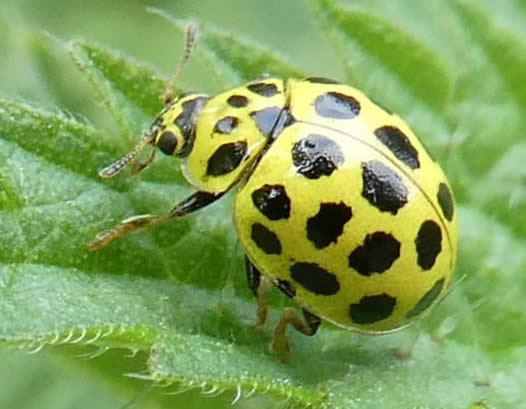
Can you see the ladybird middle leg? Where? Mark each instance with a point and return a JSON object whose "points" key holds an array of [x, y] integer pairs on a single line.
{"points": [[194, 202], [308, 325], [260, 287]]}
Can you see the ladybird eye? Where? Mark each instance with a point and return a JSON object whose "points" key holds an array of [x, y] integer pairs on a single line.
{"points": [[167, 142]]}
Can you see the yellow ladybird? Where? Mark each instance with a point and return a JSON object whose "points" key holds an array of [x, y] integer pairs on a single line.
{"points": [[338, 205]]}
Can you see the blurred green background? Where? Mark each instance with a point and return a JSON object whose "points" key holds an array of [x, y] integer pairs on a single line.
{"points": [[287, 27]]}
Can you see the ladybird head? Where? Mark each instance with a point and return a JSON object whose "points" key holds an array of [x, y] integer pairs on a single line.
{"points": [[173, 131]]}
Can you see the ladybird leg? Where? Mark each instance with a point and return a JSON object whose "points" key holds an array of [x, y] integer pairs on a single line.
{"points": [[307, 325], [261, 287], [194, 202]]}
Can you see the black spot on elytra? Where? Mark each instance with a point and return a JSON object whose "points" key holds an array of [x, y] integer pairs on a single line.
{"points": [[272, 201], [327, 225], [377, 254], [428, 244], [316, 155], [428, 299], [226, 125], [336, 106], [264, 89], [383, 187], [226, 158], [286, 287], [445, 200], [372, 308], [237, 101], [266, 119], [399, 144], [185, 121], [314, 278], [321, 80], [265, 239], [167, 142]]}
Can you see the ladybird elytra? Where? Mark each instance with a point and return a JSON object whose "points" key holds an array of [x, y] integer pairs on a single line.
{"points": [[366, 232], [339, 205]]}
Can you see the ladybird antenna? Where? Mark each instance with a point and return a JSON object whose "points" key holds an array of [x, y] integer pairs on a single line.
{"points": [[114, 168], [189, 43]]}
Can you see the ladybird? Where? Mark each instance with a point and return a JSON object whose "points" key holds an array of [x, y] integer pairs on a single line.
{"points": [[339, 205]]}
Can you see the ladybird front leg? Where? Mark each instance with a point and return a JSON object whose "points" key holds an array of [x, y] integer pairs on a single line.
{"points": [[261, 287], [307, 325], [194, 202]]}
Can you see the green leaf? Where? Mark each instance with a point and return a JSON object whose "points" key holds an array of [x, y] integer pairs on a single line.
{"points": [[489, 113], [504, 47], [389, 52], [176, 294], [125, 88], [393, 66], [235, 60]]}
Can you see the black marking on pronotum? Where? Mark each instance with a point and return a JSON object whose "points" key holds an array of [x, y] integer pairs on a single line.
{"points": [[266, 119], [285, 120], [226, 125], [185, 121], [264, 89], [226, 158], [237, 101], [336, 105]]}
